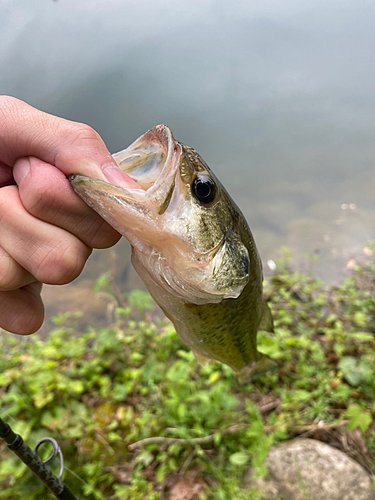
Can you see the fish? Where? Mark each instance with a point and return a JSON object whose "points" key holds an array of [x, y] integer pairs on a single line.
{"points": [[191, 246]]}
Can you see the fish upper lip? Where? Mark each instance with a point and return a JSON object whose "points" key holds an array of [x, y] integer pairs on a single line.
{"points": [[172, 147], [162, 135], [164, 173]]}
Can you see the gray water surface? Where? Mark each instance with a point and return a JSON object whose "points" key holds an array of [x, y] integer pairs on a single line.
{"points": [[278, 98]]}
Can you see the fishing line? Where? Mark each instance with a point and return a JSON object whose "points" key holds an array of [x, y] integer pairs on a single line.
{"points": [[39, 467]]}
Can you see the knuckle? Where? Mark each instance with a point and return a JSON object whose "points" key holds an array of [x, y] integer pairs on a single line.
{"points": [[80, 132], [8, 274], [101, 235], [7, 196], [107, 239], [9, 107], [3, 206], [29, 318], [41, 199], [9, 103], [62, 265], [8, 281]]}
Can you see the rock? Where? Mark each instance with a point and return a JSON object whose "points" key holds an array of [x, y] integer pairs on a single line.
{"points": [[306, 469]]}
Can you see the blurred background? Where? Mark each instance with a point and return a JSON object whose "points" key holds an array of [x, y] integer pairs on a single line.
{"points": [[277, 97]]}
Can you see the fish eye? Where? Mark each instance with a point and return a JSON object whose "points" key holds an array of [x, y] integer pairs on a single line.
{"points": [[204, 190]]}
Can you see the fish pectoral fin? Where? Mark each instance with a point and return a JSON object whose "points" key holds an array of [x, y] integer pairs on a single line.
{"points": [[255, 369], [202, 360], [266, 322]]}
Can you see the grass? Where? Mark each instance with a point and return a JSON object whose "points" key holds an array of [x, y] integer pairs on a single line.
{"points": [[101, 392]]}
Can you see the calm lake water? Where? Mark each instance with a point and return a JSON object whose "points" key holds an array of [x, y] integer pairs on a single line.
{"points": [[278, 98]]}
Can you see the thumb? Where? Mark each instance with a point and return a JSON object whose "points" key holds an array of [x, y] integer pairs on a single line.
{"points": [[70, 146]]}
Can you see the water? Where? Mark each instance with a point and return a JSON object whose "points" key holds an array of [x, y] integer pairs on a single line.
{"points": [[278, 98]]}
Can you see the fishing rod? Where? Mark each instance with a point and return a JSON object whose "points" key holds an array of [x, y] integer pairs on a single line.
{"points": [[39, 467]]}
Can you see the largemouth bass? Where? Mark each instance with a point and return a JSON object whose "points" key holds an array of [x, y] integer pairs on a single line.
{"points": [[191, 246]]}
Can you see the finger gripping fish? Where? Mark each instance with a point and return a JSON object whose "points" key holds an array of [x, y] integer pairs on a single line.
{"points": [[191, 246]]}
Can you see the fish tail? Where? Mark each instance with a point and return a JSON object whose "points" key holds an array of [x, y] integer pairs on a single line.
{"points": [[255, 369]]}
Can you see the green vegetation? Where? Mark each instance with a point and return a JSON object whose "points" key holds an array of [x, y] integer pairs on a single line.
{"points": [[98, 392]]}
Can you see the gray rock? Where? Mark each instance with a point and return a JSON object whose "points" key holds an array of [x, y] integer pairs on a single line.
{"points": [[306, 469]]}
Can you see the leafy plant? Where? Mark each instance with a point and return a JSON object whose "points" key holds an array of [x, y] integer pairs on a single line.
{"points": [[358, 417], [132, 409]]}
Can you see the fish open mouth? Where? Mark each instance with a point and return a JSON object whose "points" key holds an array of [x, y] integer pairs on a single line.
{"points": [[148, 160], [134, 201], [133, 198]]}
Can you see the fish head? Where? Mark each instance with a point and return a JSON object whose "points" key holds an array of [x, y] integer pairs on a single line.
{"points": [[179, 219]]}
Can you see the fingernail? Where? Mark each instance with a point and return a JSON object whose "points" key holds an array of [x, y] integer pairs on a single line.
{"points": [[21, 169], [116, 176]]}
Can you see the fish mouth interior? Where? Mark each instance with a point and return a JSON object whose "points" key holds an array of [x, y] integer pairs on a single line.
{"points": [[148, 160]]}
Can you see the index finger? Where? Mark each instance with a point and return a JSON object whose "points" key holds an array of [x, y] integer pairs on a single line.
{"points": [[70, 146]]}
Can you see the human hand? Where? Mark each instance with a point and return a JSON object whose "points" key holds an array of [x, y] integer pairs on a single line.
{"points": [[46, 231]]}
